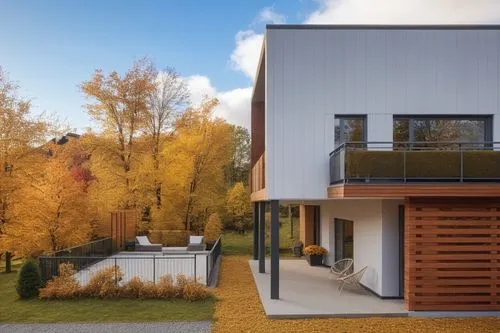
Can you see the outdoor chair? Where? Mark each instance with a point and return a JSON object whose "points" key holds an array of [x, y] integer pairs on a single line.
{"points": [[196, 243], [351, 279], [142, 243], [342, 267]]}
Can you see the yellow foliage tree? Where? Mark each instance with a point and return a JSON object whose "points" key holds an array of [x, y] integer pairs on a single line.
{"points": [[50, 213], [20, 133], [238, 206], [213, 228], [193, 167], [119, 105]]}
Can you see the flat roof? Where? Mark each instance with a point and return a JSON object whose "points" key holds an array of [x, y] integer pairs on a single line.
{"points": [[384, 26]]}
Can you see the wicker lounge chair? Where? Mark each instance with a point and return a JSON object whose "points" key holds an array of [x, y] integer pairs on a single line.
{"points": [[351, 279], [143, 244], [342, 267]]}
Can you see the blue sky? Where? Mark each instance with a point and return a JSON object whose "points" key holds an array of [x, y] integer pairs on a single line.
{"points": [[50, 47]]}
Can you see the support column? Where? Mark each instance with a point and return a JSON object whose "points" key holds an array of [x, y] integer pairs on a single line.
{"points": [[275, 247], [255, 230], [262, 236]]}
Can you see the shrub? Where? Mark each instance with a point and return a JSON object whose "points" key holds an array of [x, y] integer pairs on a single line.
{"points": [[104, 283], [28, 280], [63, 286], [213, 228], [315, 250], [194, 291], [166, 287], [132, 289], [180, 282], [148, 290]]}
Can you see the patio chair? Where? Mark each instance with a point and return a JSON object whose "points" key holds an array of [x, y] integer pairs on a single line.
{"points": [[142, 243], [342, 267], [196, 243], [351, 279]]}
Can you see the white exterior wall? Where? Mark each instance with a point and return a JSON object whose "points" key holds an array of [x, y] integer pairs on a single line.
{"points": [[376, 239], [314, 74]]}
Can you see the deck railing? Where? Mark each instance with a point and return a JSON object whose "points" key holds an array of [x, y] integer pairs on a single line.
{"points": [[415, 162], [212, 258]]}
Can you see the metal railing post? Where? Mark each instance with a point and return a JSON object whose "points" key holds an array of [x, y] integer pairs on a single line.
{"points": [[195, 267], [206, 270], [154, 269], [404, 165], [116, 274], [461, 162]]}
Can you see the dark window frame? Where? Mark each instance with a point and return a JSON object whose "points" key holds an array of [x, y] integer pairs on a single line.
{"points": [[342, 118], [488, 123]]}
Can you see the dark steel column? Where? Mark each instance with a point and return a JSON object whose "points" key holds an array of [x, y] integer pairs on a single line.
{"points": [[262, 237], [275, 248], [255, 230]]}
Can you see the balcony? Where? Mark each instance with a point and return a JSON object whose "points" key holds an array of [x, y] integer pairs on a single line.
{"points": [[415, 162]]}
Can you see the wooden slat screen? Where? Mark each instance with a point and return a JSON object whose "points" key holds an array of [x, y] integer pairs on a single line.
{"points": [[452, 253]]}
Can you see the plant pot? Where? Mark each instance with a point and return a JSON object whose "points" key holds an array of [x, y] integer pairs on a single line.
{"points": [[314, 260]]}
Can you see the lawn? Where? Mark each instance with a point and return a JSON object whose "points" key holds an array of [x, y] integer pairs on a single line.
{"points": [[13, 310], [242, 244]]}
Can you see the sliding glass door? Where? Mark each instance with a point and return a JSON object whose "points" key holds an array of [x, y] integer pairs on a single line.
{"points": [[344, 239]]}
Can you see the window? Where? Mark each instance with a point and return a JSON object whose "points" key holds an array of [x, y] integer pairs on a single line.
{"points": [[418, 129], [350, 129]]}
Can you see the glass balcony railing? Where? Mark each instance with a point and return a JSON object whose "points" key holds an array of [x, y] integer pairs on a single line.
{"points": [[415, 162]]}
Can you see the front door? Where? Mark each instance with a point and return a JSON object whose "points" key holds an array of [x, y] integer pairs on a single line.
{"points": [[344, 239]]}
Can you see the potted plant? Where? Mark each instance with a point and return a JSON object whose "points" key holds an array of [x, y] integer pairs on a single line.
{"points": [[314, 254]]}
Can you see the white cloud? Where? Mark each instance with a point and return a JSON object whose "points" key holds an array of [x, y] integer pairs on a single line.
{"points": [[234, 105], [406, 12], [268, 15], [245, 56]]}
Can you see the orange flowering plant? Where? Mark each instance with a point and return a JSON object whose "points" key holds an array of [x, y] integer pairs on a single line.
{"points": [[315, 250]]}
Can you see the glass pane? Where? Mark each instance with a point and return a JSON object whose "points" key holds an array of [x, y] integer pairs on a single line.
{"points": [[448, 130], [349, 130], [400, 132]]}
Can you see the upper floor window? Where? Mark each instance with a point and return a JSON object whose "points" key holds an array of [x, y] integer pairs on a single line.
{"points": [[349, 129], [442, 129]]}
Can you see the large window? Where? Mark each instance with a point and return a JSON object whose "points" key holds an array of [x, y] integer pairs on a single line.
{"points": [[419, 129], [349, 129]]}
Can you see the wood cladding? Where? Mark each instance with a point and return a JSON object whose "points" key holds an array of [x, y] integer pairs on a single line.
{"points": [[452, 254], [258, 175], [414, 190], [306, 224]]}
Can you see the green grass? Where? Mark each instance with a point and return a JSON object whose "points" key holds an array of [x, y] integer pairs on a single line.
{"points": [[242, 245], [14, 310]]}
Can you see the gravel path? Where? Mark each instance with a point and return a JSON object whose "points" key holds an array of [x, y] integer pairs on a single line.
{"points": [[170, 327]]}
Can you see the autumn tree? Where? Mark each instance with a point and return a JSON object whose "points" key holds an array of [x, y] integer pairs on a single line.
{"points": [[213, 228], [239, 167], [193, 185], [52, 212], [238, 206], [164, 104], [20, 132], [119, 103]]}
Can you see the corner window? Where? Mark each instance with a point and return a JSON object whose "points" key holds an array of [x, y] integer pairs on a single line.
{"points": [[350, 129]]}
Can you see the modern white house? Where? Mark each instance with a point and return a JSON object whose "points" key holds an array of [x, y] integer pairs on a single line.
{"points": [[387, 137]]}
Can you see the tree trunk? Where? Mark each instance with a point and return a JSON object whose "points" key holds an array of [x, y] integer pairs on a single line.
{"points": [[8, 262], [291, 220]]}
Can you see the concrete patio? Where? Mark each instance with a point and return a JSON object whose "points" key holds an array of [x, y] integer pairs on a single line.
{"points": [[307, 291]]}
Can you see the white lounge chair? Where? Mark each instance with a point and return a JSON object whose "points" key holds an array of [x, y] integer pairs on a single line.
{"points": [[142, 243], [342, 267], [196, 243], [351, 279]]}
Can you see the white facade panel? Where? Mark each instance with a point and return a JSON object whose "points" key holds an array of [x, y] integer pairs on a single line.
{"points": [[313, 75]]}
